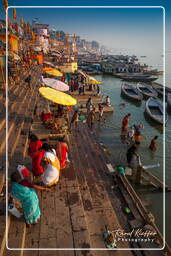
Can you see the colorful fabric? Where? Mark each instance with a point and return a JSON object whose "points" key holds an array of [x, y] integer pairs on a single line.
{"points": [[137, 138], [37, 168], [26, 183], [62, 150], [34, 146], [29, 202], [46, 116], [23, 171], [52, 168]]}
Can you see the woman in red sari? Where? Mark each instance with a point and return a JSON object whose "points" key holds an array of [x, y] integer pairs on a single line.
{"points": [[62, 152], [36, 152]]}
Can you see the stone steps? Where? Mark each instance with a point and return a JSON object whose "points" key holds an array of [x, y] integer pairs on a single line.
{"points": [[19, 126]]}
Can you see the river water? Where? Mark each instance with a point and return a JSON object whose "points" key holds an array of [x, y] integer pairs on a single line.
{"points": [[112, 87]]}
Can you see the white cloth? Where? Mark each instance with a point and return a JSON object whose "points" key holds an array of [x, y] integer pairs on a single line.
{"points": [[51, 172]]}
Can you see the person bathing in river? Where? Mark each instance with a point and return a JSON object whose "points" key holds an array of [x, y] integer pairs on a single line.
{"points": [[134, 162], [125, 125], [130, 151], [89, 105], [138, 129], [108, 101], [51, 164], [101, 110], [90, 118], [130, 136], [153, 145]]}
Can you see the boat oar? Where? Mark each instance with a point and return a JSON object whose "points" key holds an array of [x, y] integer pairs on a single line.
{"points": [[150, 166]]}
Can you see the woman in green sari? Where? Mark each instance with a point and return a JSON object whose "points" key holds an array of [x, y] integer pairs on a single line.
{"points": [[28, 199]]}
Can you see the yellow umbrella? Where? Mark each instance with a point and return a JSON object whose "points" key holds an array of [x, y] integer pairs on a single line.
{"points": [[94, 82], [57, 96], [48, 69], [54, 72]]}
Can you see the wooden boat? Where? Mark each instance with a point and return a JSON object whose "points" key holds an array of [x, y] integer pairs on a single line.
{"points": [[169, 100], [160, 91], [155, 110], [131, 92], [139, 78], [146, 90]]}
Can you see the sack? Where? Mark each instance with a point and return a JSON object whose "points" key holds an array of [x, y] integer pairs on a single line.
{"points": [[23, 171], [14, 211]]}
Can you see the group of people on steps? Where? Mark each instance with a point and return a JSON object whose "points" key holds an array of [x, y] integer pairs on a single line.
{"points": [[47, 163]]}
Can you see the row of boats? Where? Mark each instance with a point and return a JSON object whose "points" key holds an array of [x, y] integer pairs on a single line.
{"points": [[153, 108]]}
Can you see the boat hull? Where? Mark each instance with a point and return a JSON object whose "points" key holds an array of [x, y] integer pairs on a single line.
{"points": [[154, 109], [169, 101], [147, 90], [131, 92], [139, 79]]}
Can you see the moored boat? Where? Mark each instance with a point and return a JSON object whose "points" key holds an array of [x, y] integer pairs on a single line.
{"points": [[139, 78], [147, 90], [169, 100], [131, 92], [155, 110], [160, 91]]}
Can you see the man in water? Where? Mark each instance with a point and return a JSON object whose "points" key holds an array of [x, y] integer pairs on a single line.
{"points": [[108, 101], [90, 118], [89, 105], [138, 129], [101, 109], [125, 125], [153, 145], [134, 162], [130, 150]]}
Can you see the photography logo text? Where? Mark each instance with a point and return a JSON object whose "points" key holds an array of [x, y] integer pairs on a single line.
{"points": [[136, 235]]}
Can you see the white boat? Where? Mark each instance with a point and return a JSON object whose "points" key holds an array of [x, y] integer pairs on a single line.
{"points": [[147, 90], [156, 110]]}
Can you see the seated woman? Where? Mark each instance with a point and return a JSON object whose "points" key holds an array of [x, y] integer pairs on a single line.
{"points": [[27, 198], [52, 166], [62, 152], [36, 153], [34, 144]]}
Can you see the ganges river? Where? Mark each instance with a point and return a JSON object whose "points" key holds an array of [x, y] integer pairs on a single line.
{"points": [[112, 87]]}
